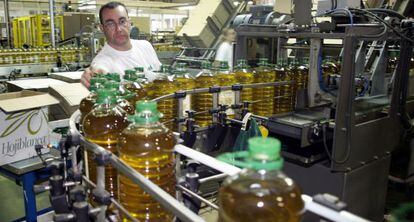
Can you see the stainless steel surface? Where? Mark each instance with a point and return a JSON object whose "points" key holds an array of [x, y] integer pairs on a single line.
{"points": [[166, 200], [215, 177], [200, 198], [28, 165]]}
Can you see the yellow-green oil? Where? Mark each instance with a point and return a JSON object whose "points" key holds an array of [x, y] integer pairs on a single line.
{"points": [[103, 126], [147, 146], [244, 75], [261, 191], [132, 83], [283, 103], [203, 102], [226, 78], [161, 86], [264, 96], [184, 81], [86, 104]]}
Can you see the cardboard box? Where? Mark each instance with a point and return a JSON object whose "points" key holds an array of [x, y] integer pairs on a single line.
{"points": [[23, 124], [41, 84], [69, 77], [69, 96]]}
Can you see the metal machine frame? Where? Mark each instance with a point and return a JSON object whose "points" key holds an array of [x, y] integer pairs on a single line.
{"points": [[363, 146]]}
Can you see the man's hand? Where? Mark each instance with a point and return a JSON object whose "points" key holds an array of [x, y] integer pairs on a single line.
{"points": [[88, 74]]}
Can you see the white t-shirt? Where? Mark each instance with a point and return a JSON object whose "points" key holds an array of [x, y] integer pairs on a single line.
{"points": [[141, 54], [225, 53]]}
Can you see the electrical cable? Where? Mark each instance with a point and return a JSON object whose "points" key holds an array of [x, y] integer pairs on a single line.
{"points": [[384, 22], [387, 12]]}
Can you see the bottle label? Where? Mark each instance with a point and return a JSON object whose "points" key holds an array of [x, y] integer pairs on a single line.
{"points": [[227, 98], [186, 104]]}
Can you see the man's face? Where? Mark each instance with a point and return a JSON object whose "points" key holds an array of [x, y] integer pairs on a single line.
{"points": [[231, 35], [116, 26]]}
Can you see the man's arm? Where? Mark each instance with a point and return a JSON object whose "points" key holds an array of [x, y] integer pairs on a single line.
{"points": [[88, 74]]}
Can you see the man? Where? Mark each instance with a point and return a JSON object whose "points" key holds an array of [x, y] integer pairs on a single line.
{"points": [[225, 50], [120, 52]]}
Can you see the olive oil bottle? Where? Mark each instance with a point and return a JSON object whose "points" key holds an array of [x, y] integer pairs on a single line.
{"points": [[103, 126], [162, 85], [132, 83], [261, 191], [87, 103], [147, 146], [264, 96], [203, 102], [226, 78], [184, 81], [244, 75]]}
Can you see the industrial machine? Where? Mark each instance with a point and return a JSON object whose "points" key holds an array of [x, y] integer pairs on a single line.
{"points": [[337, 138]]}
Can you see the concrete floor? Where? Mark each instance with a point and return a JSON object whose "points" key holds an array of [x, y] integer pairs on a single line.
{"points": [[11, 200]]}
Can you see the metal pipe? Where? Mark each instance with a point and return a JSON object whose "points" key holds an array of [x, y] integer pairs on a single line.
{"points": [[100, 184], [215, 177], [224, 88], [200, 198], [116, 203], [206, 160], [52, 22], [165, 199], [7, 20]]}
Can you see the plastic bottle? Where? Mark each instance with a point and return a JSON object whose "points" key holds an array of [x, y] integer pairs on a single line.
{"points": [[291, 71], [132, 83], [264, 96], [302, 74], [204, 101], [283, 103], [329, 68], [124, 98], [88, 102], [226, 78], [184, 81], [244, 75], [261, 191], [162, 85], [147, 146], [103, 126]]}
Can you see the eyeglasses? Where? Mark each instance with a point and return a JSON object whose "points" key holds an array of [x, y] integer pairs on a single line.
{"points": [[112, 25]]}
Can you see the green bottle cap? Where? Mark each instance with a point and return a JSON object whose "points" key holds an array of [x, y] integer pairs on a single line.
{"points": [[130, 75], [264, 149], [111, 84], [224, 65], [94, 81], [106, 96], [113, 76], [263, 62], [139, 69], [263, 154], [206, 65], [242, 64], [165, 69], [145, 112]]}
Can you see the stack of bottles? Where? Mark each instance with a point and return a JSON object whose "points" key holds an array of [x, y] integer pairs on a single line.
{"points": [[103, 126], [226, 78], [184, 81], [43, 55], [203, 102], [261, 191], [244, 75], [147, 146], [163, 85], [263, 97]]}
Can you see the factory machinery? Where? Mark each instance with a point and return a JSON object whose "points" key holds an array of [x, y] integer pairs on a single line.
{"points": [[337, 139]]}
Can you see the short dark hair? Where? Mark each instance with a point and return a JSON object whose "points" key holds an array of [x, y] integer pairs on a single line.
{"points": [[110, 5]]}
